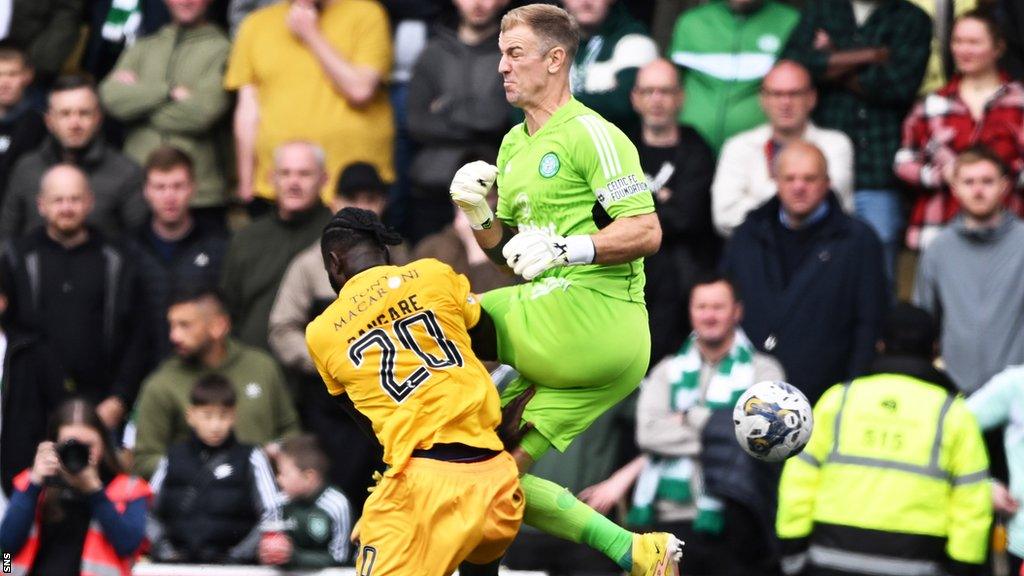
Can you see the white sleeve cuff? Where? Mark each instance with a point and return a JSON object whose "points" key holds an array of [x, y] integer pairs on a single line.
{"points": [[579, 249]]}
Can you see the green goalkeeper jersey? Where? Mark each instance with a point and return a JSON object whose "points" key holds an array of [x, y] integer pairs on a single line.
{"points": [[576, 169]]}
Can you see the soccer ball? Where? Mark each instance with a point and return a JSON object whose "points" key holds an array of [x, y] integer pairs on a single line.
{"points": [[773, 421]]}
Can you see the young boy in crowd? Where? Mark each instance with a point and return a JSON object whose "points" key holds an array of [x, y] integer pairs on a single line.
{"points": [[317, 517], [212, 492]]}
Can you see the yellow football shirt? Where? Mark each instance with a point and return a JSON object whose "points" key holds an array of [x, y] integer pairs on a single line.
{"points": [[298, 101], [396, 341]]}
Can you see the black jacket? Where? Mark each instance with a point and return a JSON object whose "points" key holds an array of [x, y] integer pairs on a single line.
{"points": [[101, 54], [21, 130], [207, 501], [689, 245], [106, 355], [47, 30], [31, 388], [732, 476], [115, 180], [196, 261], [824, 324], [1013, 31]]}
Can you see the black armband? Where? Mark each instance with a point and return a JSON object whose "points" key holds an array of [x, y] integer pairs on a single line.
{"points": [[484, 338], [494, 252]]}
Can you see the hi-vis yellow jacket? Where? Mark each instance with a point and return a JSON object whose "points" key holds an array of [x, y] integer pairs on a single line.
{"points": [[893, 481]]}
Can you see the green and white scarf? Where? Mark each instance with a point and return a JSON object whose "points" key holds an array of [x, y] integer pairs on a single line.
{"points": [[122, 22], [676, 479]]}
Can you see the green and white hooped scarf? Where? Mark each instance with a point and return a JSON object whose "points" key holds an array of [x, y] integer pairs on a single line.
{"points": [[674, 479], [122, 21]]}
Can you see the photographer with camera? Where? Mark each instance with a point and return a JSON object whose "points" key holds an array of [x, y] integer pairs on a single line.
{"points": [[75, 512]]}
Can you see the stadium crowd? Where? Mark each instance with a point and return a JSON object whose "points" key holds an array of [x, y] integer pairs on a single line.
{"points": [[167, 168]]}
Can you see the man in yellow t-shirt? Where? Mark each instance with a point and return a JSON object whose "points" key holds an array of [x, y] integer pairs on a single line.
{"points": [[311, 70], [395, 345]]}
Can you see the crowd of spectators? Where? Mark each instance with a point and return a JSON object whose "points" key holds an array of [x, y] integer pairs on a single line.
{"points": [[167, 168]]}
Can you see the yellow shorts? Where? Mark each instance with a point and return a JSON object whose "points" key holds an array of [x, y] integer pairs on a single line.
{"points": [[434, 515]]}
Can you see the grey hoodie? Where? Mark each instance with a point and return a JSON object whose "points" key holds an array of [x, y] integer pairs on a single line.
{"points": [[457, 108], [971, 280]]}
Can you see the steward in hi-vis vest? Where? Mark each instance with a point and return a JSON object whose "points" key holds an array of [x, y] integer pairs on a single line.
{"points": [[895, 477]]}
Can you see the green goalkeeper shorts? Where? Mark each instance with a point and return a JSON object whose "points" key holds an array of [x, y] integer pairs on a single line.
{"points": [[582, 351]]}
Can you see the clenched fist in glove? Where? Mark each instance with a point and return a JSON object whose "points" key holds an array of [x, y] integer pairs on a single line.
{"points": [[469, 192], [531, 252]]}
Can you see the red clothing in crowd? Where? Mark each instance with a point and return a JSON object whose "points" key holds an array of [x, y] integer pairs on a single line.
{"points": [[98, 555], [937, 129]]}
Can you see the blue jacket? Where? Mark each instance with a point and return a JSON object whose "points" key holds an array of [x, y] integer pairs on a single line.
{"points": [[824, 324]]}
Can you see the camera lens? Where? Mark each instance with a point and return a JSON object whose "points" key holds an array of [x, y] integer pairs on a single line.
{"points": [[74, 455]]}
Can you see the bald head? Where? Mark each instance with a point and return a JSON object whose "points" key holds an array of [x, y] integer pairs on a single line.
{"points": [[788, 97], [64, 200], [790, 72], [659, 71], [802, 151], [801, 173], [64, 177], [657, 96]]}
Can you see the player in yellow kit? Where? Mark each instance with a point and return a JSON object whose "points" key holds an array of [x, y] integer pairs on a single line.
{"points": [[397, 343]]}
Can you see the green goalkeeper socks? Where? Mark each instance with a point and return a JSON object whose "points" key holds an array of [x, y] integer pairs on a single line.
{"points": [[555, 511]]}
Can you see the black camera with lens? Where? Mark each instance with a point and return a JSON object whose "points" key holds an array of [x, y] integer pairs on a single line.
{"points": [[74, 455]]}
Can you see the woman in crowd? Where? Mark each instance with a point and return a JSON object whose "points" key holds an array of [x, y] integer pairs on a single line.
{"points": [[980, 105], [75, 511]]}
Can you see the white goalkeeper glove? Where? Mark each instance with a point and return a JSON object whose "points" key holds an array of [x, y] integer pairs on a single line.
{"points": [[531, 252], [469, 192]]}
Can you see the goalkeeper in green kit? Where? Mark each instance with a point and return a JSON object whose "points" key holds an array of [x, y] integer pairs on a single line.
{"points": [[575, 218]]}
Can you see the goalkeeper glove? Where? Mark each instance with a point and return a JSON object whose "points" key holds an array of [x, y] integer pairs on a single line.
{"points": [[469, 192], [531, 252]]}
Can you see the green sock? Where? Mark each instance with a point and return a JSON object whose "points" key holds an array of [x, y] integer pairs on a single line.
{"points": [[555, 511]]}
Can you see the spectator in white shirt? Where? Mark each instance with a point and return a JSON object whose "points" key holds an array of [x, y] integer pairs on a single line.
{"points": [[744, 178]]}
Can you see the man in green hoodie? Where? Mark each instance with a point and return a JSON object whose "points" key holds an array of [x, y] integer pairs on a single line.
{"points": [[200, 334], [166, 89], [725, 49]]}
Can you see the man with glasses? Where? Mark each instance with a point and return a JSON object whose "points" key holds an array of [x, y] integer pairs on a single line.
{"points": [[679, 166], [745, 178]]}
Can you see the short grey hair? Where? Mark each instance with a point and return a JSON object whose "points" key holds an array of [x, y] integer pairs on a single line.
{"points": [[552, 25], [318, 152]]}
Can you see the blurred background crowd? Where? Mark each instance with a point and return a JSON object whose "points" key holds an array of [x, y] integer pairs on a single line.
{"points": [[167, 167]]}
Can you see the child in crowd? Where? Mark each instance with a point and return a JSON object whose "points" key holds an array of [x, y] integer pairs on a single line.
{"points": [[212, 492], [317, 517]]}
